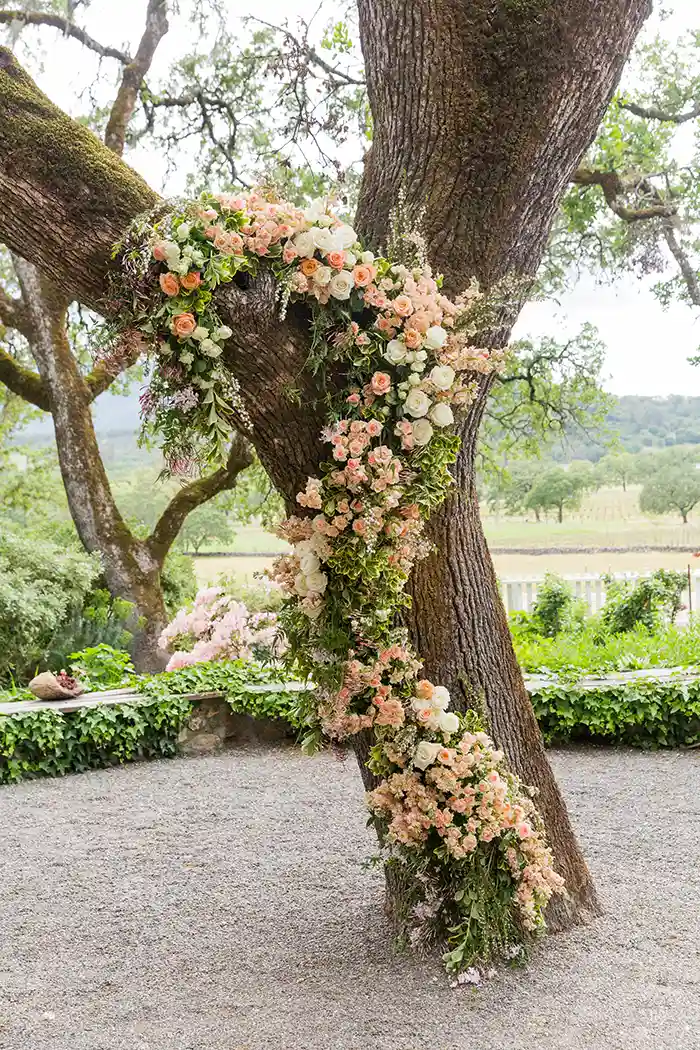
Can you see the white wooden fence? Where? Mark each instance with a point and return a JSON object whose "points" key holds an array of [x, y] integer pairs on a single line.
{"points": [[521, 593]]}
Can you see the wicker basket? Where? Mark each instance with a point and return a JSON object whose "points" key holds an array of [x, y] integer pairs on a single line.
{"points": [[47, 687]]}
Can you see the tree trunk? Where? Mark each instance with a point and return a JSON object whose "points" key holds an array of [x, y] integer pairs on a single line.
{"points": [[685, 517], [130, 569], [560, 513], [478, 132]]}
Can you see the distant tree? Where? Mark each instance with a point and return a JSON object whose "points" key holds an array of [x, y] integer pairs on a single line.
{"points": [[586, 474], [212, 521], [555, 489], [620, 468], [508, 489], [675, 488]]}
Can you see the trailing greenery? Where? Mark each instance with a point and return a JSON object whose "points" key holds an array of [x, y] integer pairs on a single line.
{"points": [[638, 714], [233, 679], [48, 743]]}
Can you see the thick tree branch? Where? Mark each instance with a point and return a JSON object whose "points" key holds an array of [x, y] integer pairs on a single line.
{"points": [[135, 71], [615, 187], [656, 113], [195, 494], [23, 381], [68, 28]]}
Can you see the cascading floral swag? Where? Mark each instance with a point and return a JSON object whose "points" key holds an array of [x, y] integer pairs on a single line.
{"points": [[445, 807]]}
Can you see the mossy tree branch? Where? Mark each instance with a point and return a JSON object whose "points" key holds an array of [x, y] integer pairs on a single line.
{"points": [[23, 382], [134, 72], [195, 494]]}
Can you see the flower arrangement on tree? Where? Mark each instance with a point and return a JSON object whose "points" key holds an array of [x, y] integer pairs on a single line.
{"points": [[217, 627], [445, 806]]}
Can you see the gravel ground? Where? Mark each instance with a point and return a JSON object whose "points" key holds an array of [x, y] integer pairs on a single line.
{"points": [[221, 904]]}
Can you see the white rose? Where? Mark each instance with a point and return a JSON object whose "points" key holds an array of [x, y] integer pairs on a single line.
{"points": [[350, 258], [182, 266], [422, 432], [440, 697], [200, 333], [367, 258], [224, 332], [425, 754], [187, 358], [171, 248], [209, 348], [341, 285], [317, 582], [309, 563], [344, 236], [442, 377], [395, 352], [300, 585], [323, 275], [435, 337], [441, 415], [323, 239], [448, 722], [304, 244], [417, 403], [183, 231]]}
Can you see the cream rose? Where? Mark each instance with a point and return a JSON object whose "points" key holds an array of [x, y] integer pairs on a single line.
{"points": [[200, 333], [323, 239], [448, 722], [441, 415], [422, 432], [341, 285], [317, 582], [344, 236], [323, 275], [304, 244], [300, 585], [441, 697], [442, 377], [395, 352], [435, 337], [425, 754], [417, 403], [309, 563]]}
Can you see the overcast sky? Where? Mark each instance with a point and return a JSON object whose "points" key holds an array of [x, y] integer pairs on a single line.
{"points": [[638, 332]]}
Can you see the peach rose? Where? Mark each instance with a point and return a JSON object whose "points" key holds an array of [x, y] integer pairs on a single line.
{"points": [[169, 283], [336, 260], [191, 281], [381, 382], [309, 267], [159, 251], [424, 689], [402, 305], [222, 243], [413, 339], [211, 232], [183, 325], [363, 275], [420, 321]]}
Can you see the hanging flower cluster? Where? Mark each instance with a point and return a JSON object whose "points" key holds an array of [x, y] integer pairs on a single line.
{"points": [[444, 806], [217, 627]]}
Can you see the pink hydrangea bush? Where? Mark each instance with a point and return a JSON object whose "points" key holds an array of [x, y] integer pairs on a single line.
{"points": [[217, 627], [412, 360]]}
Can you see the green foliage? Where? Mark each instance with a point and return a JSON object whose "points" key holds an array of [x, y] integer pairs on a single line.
{"points": [[102, 667], [556, 608], [178, 581], [257, 597], [639, 714], [232, 678], [643, 603], [41, 588], [47, 743], [589, 652]]}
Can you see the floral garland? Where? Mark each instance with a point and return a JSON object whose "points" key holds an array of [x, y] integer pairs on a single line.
{"points": [[445, 807]]}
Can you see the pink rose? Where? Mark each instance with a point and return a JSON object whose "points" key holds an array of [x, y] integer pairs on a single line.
{"points": [[380, 383], [159, 251], [336, 259], [363, 275], [403, 306]]}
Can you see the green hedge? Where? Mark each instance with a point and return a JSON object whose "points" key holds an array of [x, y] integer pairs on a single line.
{"points": [[638, 714], [48, 743]]}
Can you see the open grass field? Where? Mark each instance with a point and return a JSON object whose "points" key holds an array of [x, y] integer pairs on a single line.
{"points": [[608, 518]]}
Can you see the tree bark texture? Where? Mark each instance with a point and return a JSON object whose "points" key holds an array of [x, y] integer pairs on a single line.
{"points": [[481, 110]]}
